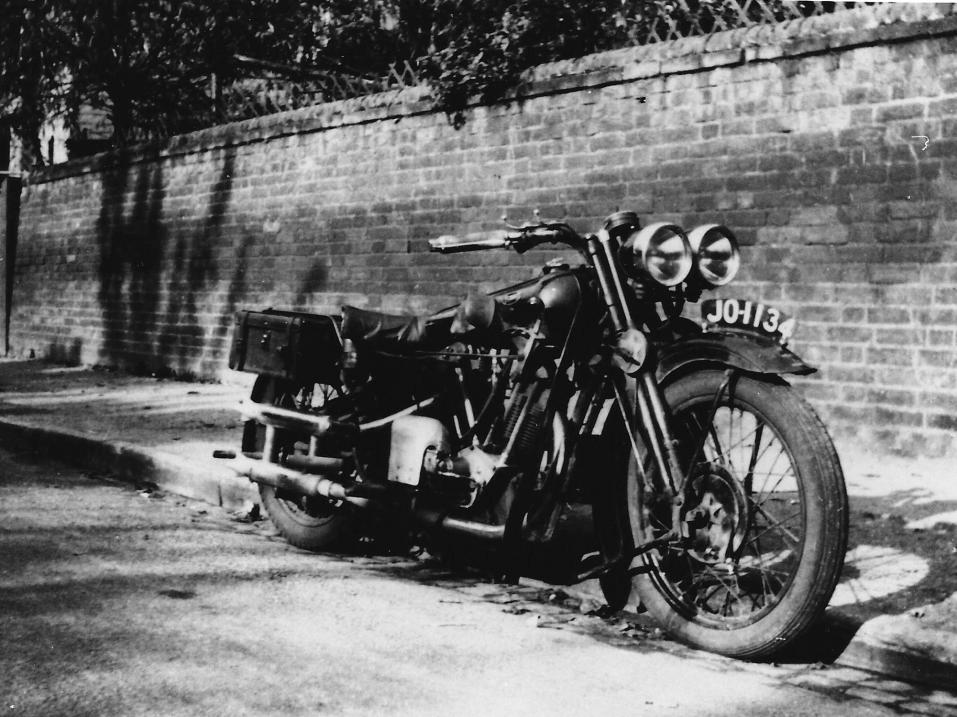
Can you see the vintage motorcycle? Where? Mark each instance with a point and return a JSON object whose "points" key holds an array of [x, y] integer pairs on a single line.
{"points": [[715, 489]]}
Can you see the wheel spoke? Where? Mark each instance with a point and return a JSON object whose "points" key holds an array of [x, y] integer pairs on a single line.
{"points": [[709, 572], [719, 454], [753, 460], [778, 524], [770, 494], [771, 471], [761, 568]]}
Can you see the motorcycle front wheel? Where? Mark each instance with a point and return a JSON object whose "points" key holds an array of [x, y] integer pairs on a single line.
{"points": [[765, 518], [310, 523]]}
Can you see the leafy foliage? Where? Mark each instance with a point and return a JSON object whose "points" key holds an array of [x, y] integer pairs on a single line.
{"points": [[148, 63], [479, 48], [28, 68]]}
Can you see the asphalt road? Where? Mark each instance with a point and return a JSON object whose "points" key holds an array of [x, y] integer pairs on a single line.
{"points": [[115, 601]]}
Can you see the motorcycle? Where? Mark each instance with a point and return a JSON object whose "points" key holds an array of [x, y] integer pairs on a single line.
{"points": [[716, 492]]}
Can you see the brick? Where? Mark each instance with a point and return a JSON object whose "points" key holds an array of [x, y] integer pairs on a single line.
{"points": [[825, 158], [867, 136], [670, 170], [939, 400], [813, 312], [897, 173], [941, 337], [851, 354], [888, 315], [945, 295], [895, 397], [779, 163], [745, 182], [893, 112], [944, 107], [938, 358], [891, 417], [894, 376], [890, 356], [812, 141], [928, 170], [944, 421], [898, 337], [869, 174], [737, 127], [893, 273], [849, 334]]}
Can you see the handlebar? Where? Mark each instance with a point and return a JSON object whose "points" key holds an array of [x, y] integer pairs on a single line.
{"points": [[521, 240], [451, 244]]}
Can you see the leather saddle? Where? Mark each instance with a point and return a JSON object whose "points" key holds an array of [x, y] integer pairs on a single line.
{"points": [[379, 330], [480, 315]]}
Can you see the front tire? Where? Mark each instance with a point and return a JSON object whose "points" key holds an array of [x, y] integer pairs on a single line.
{"points": [[311, 523], [766, 515]]}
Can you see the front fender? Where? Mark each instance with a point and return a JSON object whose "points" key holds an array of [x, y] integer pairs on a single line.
{"points": [[748, 352]]}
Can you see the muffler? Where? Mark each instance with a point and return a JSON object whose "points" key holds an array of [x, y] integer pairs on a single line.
{"points": [[311, 484], [295, 481]]}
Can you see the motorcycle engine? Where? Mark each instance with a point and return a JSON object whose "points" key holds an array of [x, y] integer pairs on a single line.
{"points": [[421, 456]]}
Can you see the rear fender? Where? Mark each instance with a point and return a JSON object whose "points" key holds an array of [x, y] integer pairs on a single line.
{"points": [[751, 353]]}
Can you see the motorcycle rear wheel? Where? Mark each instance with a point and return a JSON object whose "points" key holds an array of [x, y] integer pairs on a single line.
{"points": [[311, 523], [768, 519]]}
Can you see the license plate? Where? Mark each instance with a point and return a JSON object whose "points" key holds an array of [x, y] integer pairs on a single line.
{"points": [[747, 315]]}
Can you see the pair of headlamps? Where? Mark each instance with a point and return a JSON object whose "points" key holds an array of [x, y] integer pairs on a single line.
{"points": [[707, 256]]}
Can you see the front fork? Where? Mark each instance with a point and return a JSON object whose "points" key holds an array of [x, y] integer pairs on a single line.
{"points": [[644, 416], [652, 422], [652, 419]]}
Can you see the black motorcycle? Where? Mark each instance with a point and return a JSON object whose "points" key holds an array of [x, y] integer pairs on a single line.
{"points": [[715, 489]]}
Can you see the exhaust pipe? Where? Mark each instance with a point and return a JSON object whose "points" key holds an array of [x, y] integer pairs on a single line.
{"points": [[306, 475], [277, 417], [311, 484], [435, 519], [295, 481]]}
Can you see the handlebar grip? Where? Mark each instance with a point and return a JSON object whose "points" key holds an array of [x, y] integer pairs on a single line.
{"points": [[450, 244]]}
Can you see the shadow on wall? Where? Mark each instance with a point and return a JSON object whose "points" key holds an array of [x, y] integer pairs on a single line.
{"points": [[151, 284], [69, 352], [10, 190]]}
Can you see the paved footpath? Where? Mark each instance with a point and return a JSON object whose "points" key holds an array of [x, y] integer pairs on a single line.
{"points": [[134, 603], [894, 613]]}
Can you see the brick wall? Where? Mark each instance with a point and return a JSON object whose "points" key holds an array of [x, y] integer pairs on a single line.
{"points": [[802, 138]]}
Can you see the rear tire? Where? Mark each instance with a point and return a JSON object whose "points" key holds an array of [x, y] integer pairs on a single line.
{"points": [[770, 528], [310, 523]]}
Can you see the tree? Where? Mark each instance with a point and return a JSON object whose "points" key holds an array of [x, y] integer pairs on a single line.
{"points": [[148, 63], [479, 49], [29, 71]]}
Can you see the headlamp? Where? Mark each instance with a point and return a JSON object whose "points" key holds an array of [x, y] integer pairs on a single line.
{"points": [[660, 251], [716, 254]]}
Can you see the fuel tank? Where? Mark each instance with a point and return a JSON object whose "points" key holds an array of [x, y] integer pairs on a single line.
{"points": [[559, 293]]}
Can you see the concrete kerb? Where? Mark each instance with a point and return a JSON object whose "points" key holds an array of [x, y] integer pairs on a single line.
{"points": [[203, 481], [922, 656], [895, 646], [892, 645]]}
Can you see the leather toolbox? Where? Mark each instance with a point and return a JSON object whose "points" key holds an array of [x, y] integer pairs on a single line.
{"points": [[287, 344]]}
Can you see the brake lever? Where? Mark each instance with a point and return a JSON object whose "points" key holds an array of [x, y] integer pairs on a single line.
{"points": [[539, 223]]}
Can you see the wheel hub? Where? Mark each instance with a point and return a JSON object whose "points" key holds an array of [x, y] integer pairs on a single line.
{"points": [[716, 516]]}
